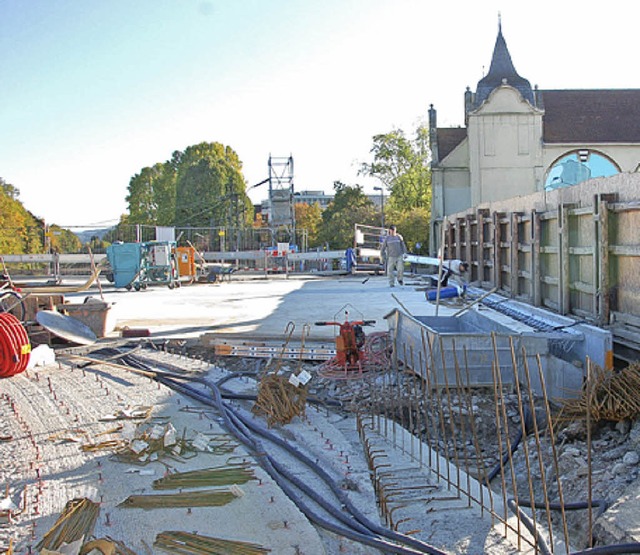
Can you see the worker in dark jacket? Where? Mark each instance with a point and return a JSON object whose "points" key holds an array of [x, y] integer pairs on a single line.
{"points": [[393, 248]]}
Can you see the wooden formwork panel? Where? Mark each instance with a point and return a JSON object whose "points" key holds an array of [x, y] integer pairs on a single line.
{"points": [[583, 270], [524, 257], [549, 260], [475, 247], [486, 259], [580, 258], [503, 245], [624, 260]]}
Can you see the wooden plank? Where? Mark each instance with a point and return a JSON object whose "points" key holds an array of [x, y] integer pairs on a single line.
{"points": [[624, 250], [604, 284], [563, 291], [581, 251], [625, 318], [581, 211], [582, 287], [535, 261], [513, 247]]}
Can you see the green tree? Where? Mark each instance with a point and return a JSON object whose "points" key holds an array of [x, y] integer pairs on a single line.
{"points": [[414, 228], [350, 206], [152, 195], [200, 186], [20, 231], [309, 217], [95, 245], [402, 166], [210, 187], [63, 240]]}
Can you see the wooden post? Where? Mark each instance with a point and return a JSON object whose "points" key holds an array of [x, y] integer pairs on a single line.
{"points": [[564, 300], [536, 292], [514, 254], [604, 285], [497, 237]]}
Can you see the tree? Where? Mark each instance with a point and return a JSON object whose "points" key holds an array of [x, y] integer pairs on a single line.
{"points": [[414, 227], [350, 206], [20, 231], [152, 195], [402, 166], [210, 187], [62, 240], [309, 217], [200, 186]]}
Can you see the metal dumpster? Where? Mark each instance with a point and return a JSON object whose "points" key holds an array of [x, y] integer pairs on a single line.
{"points": [[460, 351], [124, 259]]}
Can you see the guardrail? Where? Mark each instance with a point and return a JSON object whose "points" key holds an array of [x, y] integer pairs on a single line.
{"points": [[59, 265]]}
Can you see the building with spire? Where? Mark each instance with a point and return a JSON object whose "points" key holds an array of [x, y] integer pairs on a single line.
{"points": [[519, 140]]}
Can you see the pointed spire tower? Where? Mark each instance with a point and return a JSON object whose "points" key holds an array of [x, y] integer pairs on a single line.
{"points": [[502, 71]]}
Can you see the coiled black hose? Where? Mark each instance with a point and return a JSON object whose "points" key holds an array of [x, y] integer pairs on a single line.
{"points": [[357, 528]]}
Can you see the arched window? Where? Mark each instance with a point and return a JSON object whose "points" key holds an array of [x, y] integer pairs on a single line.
{"points": [[578, 166]]}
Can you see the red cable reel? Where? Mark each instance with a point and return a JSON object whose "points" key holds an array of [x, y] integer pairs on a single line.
{"points": [[15, 348]]}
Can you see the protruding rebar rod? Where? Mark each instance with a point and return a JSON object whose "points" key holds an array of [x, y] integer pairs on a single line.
{"points": [[452, 424], [505, 420], [590, 393], [523, 424], [433, 445], [482, 471], [536, 432], [496, 403], [463, 429], [441, 425], [411, 403], [552, 442]]}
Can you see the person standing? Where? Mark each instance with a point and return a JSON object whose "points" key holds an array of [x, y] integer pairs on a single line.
{"points": [[393, 248]]}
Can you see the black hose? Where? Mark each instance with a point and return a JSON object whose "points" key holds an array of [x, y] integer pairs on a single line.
{"points": [[619, 549], [237, 426], [541, 544], [362, 531], [267, 461]]}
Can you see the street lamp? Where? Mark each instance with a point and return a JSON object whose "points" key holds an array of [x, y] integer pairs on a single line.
{"points": [[381, 202]]}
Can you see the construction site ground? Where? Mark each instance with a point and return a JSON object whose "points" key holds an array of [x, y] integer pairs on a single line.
{"points": [[72, 430]]}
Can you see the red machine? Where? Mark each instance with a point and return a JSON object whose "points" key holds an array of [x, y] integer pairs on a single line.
{"points": [[356, 353]]}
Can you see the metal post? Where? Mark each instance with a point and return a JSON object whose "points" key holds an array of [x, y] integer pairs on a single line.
{"points": [[381, 189]]}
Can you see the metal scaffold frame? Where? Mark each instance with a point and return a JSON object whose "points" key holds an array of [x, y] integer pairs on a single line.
{"points": [[282, 213]]}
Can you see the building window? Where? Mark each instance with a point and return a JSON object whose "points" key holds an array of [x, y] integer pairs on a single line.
{"points": [[578, 166]]}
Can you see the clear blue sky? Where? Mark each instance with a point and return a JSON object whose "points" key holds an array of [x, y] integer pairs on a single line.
{"points": [[94, 90]]}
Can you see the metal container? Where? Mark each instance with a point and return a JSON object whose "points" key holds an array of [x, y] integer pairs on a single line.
{"points": [[478, 349], [125, 259]]}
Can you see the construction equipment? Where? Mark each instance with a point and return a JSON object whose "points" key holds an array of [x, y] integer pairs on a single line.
{"points": [[137, 265], [366, 246], [356, 353]]}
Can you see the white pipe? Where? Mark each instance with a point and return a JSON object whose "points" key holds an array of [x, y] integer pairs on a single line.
{"points": [[455, 266]]}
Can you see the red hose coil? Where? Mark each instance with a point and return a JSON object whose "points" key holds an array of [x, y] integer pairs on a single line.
{"points": [[15, 348]]}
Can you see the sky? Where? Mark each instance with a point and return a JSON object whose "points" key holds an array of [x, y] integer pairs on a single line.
{"points": [[93, 91]]}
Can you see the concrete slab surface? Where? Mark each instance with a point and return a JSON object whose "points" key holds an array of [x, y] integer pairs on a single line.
{"points": [[54, 419], [261, 307]]}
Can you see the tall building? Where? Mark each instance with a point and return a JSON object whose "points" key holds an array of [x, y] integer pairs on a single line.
{"points": [[519, 140]]}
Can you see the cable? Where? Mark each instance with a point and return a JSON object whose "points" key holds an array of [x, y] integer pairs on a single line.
{"points": [[358, 527], [353, 524], [15, 349]]}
